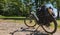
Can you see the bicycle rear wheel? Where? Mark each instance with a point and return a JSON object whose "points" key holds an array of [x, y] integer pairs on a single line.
{"points": [[30, 21]]}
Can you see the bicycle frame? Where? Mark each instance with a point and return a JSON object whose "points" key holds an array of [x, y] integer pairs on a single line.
{"points": [[35, 15]]}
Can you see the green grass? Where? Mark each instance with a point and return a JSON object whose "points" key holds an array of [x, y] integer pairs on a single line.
{"points": [[11, 17], [1, 16], [58, 22]]}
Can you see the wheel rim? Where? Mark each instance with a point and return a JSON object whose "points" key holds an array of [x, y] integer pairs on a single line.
{"points": [[30, 22]]}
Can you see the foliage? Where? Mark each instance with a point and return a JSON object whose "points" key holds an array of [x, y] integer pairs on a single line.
{"points": [[20, 7]]}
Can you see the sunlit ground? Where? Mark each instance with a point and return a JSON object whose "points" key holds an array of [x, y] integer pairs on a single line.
{"points": [[22, 21]]}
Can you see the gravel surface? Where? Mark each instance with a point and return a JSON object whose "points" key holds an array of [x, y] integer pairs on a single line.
{"points": [[10, 28]]}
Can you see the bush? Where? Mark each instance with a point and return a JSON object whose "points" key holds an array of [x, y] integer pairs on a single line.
{"points": [[12, 10]]}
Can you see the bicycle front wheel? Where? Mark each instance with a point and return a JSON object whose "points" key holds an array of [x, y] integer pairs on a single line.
{"points": [[30, 21], [52, 28]]}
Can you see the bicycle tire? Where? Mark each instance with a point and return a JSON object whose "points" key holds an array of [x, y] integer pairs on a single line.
{"points": [[30, 17], [55, 27]]}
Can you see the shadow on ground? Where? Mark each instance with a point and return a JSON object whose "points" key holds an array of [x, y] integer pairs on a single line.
{"points": [[35, 32]]}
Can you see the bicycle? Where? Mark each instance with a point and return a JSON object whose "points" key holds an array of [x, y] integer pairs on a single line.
{"points": [[32, 20]]}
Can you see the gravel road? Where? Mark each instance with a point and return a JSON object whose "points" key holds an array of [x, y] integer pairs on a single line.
{"points": [[10, 28]]}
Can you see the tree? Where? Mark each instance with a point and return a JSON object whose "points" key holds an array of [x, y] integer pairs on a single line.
{"points": [[10, 7], [58, 6]]}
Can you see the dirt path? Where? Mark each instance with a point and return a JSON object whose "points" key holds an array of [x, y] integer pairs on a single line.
{"points": [[10, 28]]}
